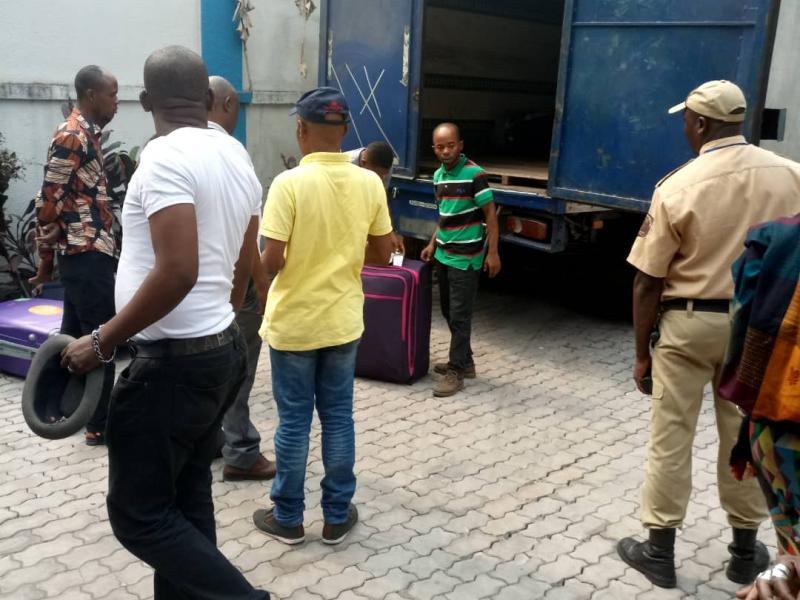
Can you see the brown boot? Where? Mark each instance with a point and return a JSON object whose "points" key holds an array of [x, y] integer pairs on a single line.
{"points": [[261, 470], [451, 383], [441, 369]]}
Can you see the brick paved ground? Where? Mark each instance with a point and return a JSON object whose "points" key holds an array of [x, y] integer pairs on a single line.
{"points": [[514, 490]]}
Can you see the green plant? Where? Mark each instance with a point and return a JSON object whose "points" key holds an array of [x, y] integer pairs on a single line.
{"points": [[10, 169]]}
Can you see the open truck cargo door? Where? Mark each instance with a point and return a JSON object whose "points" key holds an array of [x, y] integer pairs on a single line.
{"points": [[370, 50], [623, 64]]}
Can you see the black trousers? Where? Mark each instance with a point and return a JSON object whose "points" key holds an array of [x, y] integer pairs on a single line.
{"points": [[457, 291], [164, 418], [242, 442], [88, 280]]}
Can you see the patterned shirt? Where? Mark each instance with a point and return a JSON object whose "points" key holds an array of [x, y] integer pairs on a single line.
{"points": [[461, 194], [74, 190], [761, 372]]}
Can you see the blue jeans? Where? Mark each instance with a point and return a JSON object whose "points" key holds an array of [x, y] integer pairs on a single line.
{"points": [[301, 381]]}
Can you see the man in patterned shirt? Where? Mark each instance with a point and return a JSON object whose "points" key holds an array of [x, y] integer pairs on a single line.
{"points": [[73, 215], [464, 242]]}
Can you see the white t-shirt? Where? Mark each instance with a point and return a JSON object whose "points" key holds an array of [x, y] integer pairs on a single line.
{"points": [[213, 171]]}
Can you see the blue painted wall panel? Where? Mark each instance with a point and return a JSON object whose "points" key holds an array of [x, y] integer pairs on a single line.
{"points": [[222, 49]]}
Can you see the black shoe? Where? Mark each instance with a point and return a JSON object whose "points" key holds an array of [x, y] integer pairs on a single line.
{"points": [[655, 558], [748, 557], [266, 522], [335, 533]]}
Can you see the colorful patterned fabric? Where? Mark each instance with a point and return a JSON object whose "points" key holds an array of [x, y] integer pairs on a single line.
{"points": [[761, 373], [74, 190], [776, 454], [460, 194]]}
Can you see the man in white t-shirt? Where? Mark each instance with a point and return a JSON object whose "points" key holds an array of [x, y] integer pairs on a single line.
{"points": [[190, 221]]}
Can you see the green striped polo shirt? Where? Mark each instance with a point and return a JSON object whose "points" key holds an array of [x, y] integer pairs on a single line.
{"points": [[460, 194]]}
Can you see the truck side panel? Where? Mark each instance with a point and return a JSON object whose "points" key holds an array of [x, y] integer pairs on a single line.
{"points": [[623, 64]]}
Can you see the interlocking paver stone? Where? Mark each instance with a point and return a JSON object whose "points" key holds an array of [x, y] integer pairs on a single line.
{"points": [[559, 570], [380, 587], [435, 585], [482, 586], [426, 543], [425, 566], [332, 586], [380, 564]]}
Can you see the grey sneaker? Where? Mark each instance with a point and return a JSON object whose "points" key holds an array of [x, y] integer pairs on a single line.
{"points": [[334, 533], [441, 369], [266, 522], [451, 383]]}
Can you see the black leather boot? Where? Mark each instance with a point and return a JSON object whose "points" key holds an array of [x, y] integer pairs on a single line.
{"points": [[655, 558], [748, 556]]}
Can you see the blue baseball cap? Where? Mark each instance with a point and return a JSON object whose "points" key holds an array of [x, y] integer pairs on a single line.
{"points": [[313, 106]]}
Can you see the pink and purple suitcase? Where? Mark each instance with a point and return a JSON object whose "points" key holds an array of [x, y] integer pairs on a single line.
{"points": [[24, 325], [395, 346]]}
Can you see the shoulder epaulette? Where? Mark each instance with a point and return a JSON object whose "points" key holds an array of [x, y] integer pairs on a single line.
{"points": [[671, 173]]}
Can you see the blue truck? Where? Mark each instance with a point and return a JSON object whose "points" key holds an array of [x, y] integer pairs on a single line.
{"points": [[563, 102]]}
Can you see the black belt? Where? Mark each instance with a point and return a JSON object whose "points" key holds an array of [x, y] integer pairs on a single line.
{"points": [[719, 306], [184, 346]]}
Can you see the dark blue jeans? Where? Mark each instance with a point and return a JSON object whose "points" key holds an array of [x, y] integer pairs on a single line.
{"points": [[88, 280], [163, 423], [242, 444], [301, 381], [457, 291]]}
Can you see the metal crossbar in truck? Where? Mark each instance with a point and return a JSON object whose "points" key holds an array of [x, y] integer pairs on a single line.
{"points": [[562, 102]]}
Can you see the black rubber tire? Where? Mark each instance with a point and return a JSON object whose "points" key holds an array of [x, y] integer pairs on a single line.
{"points": [[48, 387]]}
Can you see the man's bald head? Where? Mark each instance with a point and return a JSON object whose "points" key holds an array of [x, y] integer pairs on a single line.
{"points": [[175, 77], [225, 110], [221, 87], [447, 144], [451, 127]]}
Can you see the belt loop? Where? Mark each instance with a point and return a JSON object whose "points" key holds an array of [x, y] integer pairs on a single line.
{"points": [[690, 308]]}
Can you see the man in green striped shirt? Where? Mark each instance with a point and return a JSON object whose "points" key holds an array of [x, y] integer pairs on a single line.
{"points": [[464, 242]]}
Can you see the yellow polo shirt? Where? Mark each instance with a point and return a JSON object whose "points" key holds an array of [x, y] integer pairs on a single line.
{"points": [[323, 209]]}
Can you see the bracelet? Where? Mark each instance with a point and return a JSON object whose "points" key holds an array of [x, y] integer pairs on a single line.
{"points": [[96, 347]]}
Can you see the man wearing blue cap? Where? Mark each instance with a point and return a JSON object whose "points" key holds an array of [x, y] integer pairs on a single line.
{"points": [[318, 220]]}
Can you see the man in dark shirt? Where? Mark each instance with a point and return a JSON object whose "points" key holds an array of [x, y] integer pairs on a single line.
{"points": [[241, 448], [72, 210]]}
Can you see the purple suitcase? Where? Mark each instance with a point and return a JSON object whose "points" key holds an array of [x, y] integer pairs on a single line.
{"points": [[397, 322], [24, 325]]}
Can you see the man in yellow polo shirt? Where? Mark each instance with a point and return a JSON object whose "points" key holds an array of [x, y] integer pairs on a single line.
{"points": [[319, 220]]}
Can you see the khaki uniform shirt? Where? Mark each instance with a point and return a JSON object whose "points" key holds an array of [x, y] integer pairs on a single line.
{"points": [[701, 212]]}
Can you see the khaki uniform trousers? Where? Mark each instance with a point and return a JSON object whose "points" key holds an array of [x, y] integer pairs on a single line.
{"points": [[688, 356]]}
